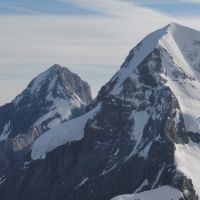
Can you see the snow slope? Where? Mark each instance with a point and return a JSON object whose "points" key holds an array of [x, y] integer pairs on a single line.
{"points": [[180, 59], [67, 132], [62, 108], [64, 102], [140, 120], [188, 161], [164, 193], [183, 71]]}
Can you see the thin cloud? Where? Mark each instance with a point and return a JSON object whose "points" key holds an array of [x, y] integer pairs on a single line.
{"points": [[158, 2], [112, 7], [191, 1], [19, 8], [94, 46]]}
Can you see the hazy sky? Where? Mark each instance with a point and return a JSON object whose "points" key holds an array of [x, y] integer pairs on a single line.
{"points": [[90, 37]]}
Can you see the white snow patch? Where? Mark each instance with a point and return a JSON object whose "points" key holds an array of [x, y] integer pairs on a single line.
{"points": [[116, 152], [164, 193], [2, 179], [55, 122], [6, 131], [140, 120], [61, 107], [52, 83], [195, 127], [109, 169], [177, 117], [72, 130], [145, 182], [145, 152], [37, 82], [82, 183], [188, 161], [158, 176]]}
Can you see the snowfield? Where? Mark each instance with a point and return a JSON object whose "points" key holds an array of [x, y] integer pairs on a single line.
{"points": [[162, 193], [69, 131]]}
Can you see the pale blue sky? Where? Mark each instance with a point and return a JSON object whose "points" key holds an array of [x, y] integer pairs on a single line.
{"points": [[60, 7], [53, 7], [91, 37]]}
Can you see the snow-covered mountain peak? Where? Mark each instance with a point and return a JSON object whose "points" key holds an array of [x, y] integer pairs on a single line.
{"points": [[182, 36], [138, 135], [56, 82], [36, 84], [48, 77], [54, 67], [171, 57], [53, 96], [180, 29], [173, 26]]}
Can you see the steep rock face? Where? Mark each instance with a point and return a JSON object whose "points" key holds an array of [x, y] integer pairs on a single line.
{"points": [[135, 137]]}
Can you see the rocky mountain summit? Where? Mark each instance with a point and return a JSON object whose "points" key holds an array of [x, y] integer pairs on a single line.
{"points": [[54, 96], [41, 103], [139, 137]]}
